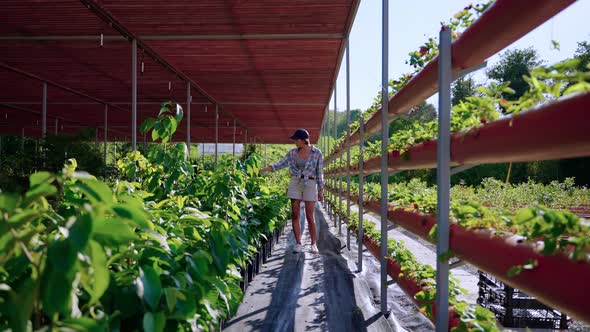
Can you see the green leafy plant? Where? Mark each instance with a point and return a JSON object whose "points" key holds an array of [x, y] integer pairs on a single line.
{"points": [[160, 248]]}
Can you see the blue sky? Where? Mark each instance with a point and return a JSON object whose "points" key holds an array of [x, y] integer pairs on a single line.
{"points": [[412, 22]]}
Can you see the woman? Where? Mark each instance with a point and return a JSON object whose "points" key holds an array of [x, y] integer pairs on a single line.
{"points": [[306, 166]]}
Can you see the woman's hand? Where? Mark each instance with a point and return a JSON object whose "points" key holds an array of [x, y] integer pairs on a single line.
{"points": [[265, 169]]}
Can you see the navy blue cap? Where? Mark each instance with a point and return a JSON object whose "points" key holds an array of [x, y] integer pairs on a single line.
{"points": [[300, 134]]}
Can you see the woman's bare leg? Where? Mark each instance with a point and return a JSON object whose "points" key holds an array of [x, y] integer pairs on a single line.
{"points": [[309, 214], [295, 209]]}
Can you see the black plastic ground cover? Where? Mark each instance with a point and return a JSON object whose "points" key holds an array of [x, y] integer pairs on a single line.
{"points": [[301, 291]]}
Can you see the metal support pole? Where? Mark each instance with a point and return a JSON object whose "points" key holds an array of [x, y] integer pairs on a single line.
{"points": [[361, 193], [22, 141], [134, 94], [105, 138], [216, 132], [336, 219], [44, 123], [443, 179], [189, 99], [348, 141], [384, 156], [56, 126], [234, 139], [340, 180], [44, 114]]}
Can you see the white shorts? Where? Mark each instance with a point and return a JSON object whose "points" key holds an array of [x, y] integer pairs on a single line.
{"points": [[297, 190]]}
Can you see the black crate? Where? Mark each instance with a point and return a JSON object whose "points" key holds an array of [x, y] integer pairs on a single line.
{"points": [[514, 308]]}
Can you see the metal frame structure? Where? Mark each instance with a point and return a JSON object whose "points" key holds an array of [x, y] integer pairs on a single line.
{"points": [[384, 142], [348, 137], [493, 31], [443, 178]]}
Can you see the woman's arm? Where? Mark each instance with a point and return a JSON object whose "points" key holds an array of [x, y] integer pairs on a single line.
{"points": [[284, 162]]}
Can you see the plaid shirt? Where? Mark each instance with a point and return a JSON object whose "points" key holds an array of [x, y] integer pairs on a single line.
{"points": [[314, 166]]}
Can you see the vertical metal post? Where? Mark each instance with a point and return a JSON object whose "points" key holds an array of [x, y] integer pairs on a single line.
{"points": [[105, 138], [203, 154], [443, 179], [384, 156], [216, 131], [334, 180], [44, 114], [22, 142], [189, 99], [361, 193], [134, 94], [0, 150], [44, 123], [348, 141], [328, 152], [340, 180], [56, 126], [234, 139]]}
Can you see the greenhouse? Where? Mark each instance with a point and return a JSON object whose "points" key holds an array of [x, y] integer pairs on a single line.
{"points": [[141, 144]]}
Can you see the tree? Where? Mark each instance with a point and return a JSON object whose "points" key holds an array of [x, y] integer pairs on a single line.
{"points": [[513, 65], [462, 88], [421, 114], [583, 53]]}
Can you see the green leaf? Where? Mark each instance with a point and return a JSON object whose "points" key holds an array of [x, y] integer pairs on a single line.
{"points": [[83, 324], [100, 271], [133, 213], [170, 295], [224, 291], [155, 134], [95, 190], [18, 306], [147, 125], [201, 260], [80, 231], [578, 87], [40, 177], [70, 167], [154, 321], [236, 297], [113, 232], [26, 216], [218, 244], [42, 190], [179, 113], [58, 278], [8, 202], [152, 288]]}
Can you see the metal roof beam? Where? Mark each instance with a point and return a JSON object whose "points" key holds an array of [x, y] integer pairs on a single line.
{"points": [[57, 85], [159, 103], [284, 36], [101, 12]]}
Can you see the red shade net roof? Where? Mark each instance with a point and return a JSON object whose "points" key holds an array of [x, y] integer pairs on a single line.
{"points": [[269, 65]]}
